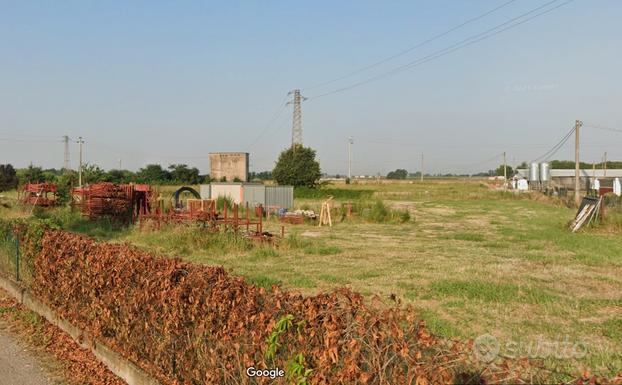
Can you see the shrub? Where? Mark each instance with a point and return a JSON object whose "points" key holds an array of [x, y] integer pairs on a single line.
{"points": [[378, 213], [323, 193]]}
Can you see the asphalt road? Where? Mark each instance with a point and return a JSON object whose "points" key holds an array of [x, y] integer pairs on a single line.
{"points": [[18, 365]]}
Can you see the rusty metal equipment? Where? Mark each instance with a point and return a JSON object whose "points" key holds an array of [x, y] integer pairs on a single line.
{"points": [[136, 202], [124, 203], [142, 199], [106, 200], [204, 213], [39, 194]]}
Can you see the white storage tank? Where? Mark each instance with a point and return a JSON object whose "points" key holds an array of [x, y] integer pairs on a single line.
{"points": [[534, 172], [545, 172]]}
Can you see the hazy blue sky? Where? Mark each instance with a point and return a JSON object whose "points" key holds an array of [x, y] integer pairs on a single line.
{"points": [[169, 82]]}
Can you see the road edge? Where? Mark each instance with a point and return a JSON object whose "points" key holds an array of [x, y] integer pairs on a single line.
{"points": [[124, 369]]}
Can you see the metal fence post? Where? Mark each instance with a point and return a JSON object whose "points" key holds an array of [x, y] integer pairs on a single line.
{"points": [[17, 257]]}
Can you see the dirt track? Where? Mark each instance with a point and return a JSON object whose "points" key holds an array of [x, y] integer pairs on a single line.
{"points": [[18, 365]]}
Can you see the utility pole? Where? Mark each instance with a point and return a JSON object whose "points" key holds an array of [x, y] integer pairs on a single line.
{"points": [[119, 163], [66, 164], [605, 166], [80, 142], [505, 173], [422, 166], [297, 117], [577, 177], [350, 142]]}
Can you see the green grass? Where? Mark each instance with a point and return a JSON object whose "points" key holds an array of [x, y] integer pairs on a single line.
{"points": [[489, 292], [322, 250], [612, 329], [262, 281], [265, 253], [440, 326], [469, 237], [336, 193]]}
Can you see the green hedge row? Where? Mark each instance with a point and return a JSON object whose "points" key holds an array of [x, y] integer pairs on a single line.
{"points": [[323, 193]]}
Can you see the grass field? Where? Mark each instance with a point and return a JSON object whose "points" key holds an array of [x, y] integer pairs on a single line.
{"points": [[473, 261]]}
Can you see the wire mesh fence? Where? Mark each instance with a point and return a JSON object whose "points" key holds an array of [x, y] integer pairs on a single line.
{"points": [[10, 255]]}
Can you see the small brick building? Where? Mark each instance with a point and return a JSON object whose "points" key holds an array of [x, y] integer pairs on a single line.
{"points": [[229, 165]]}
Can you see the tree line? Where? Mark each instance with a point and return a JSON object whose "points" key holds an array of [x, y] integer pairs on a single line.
{"points": [[11, 178], [499, 171]]}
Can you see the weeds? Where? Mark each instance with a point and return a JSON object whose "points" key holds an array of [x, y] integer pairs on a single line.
{"points": [[188, 240], [220, 202], [281, 326], [379, 212], [296, 370]]}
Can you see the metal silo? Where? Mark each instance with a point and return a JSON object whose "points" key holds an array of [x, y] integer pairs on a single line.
{"points": [[534, 172], [545, 172]]}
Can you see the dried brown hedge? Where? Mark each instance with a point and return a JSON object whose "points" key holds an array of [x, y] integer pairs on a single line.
{"points": [[193, 324]]}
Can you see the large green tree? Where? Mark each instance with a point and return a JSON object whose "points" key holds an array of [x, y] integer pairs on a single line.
{"points": [[31, 174], [8, 177], [181, 173], [120, 176], [92, 173], [499, 171], [297, 167], [153, 173], [400, 173]]}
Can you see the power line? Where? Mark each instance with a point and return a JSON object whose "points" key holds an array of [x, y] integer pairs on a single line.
{"points": [[21, 134], [485, 161], [414, 47], [603, 128], [556, 148], [16, 140], [454, 47], [275, 116]]}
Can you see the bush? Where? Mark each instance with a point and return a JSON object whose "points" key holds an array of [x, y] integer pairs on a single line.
{"points": [[8, 177], [378, 212], [323, 193]]}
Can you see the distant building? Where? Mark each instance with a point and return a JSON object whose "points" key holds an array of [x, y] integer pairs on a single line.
{"points": [[564, 178], [229, 165]]}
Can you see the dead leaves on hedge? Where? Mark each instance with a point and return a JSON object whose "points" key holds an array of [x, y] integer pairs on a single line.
{"points": [[193, 324]]}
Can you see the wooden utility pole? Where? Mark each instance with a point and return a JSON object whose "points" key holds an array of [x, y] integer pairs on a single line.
{"points": [[605, 166], [422, 166], [505, 173], [350, 141], [577, 177]]}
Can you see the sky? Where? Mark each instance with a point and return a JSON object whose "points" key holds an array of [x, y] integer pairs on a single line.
{"points": [[169, 82]]}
